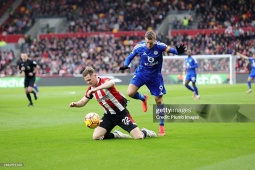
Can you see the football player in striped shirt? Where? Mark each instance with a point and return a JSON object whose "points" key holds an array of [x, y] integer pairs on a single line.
{"points": [[114, 105]]}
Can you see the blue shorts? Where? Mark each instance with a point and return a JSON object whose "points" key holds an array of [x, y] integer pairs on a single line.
{"points": [[191, 77], [154, 84], [252, 75]]}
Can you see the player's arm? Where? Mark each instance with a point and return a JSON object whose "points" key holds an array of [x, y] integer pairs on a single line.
{"points": [[21, 69], [242, 56], [177, 50], [128, 60], [171, 50], [35, 67], [80, 103], [22, 74], [107, 84]]}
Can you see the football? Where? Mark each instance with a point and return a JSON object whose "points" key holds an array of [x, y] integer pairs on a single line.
{"points": [[92, 120]]}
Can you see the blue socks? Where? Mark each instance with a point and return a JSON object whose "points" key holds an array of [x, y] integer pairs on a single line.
{"points": [[161, 114], [249, 85], [139, 96], [195, 90]]}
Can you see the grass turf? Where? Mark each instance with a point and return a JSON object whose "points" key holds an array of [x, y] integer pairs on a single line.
{"points": [[51, 135]]}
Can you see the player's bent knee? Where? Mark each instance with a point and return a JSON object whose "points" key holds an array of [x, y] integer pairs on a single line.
{"points": [[130, 93], [96, 137], [99, 132], [137, 133]]}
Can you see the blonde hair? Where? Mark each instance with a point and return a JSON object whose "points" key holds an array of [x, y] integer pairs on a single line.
{"points": [[150, 35], [88, 70]]}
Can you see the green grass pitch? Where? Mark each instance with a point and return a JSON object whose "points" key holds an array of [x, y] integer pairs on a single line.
{"points": [[51, 135]]}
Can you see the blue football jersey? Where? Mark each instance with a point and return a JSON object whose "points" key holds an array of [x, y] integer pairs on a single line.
{"points": [[252, 61], [150, 59], [191, 65]]}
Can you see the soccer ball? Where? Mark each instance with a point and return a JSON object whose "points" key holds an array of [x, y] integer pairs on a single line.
{"points": [[92, 120]]}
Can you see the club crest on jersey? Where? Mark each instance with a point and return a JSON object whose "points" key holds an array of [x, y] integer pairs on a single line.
{"points": [[28, 68], [155, 52], [150, 59]]}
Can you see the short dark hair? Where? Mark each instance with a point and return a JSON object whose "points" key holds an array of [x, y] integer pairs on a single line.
{"points": [[150, 35], [88, 70]]}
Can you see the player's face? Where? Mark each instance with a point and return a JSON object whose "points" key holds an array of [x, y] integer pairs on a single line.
{"points": [[149, 43], [91, 80], [24, 57], [189, 52]]}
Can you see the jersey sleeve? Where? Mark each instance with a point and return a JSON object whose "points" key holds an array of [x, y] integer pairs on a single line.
{"points": [[165, 48], [88, 97], [131, 56], [171, 50], [34, 63]]}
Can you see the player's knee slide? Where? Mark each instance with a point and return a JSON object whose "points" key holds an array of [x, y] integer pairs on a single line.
{"points": [[95, 137]]}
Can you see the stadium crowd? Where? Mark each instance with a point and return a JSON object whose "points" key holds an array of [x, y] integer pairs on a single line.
{"points": [[6, 57], [98, 15], [69, 56], [221, 14], [214, 14]]}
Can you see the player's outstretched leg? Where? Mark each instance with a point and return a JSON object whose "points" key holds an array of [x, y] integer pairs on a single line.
{"points": [[189, 87], [197, 96], [35, 95], [161, 130], [148, 133], [161, 113], [144, 103], [29, 99], [249, 86], [119, 134]]}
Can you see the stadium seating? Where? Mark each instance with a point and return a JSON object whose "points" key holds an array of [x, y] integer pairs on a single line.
{"points": [[68, 56]]}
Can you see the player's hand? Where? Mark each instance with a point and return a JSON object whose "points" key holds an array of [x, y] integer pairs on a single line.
{"points": [[181, 49], [30, 74], [72, 104], [124, 68]]}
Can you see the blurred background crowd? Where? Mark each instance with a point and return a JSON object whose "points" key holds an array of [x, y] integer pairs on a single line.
{"points": [[68, 56]]}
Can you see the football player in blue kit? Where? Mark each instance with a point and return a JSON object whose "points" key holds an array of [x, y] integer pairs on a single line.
{"points": [[149, 71], [190, 68], [252, 73]]}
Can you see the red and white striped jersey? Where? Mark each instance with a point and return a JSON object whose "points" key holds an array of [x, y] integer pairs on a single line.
{"points": [[110, 99]]}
